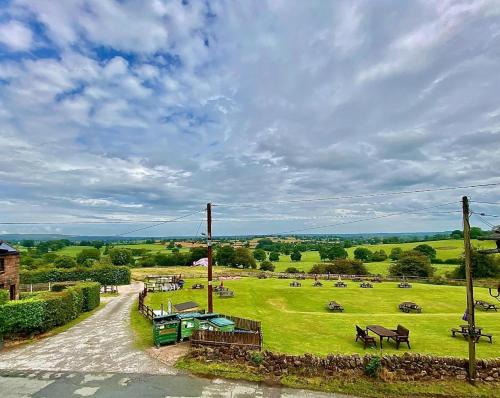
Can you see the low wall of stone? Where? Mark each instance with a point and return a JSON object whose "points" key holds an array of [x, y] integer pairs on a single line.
{"points": [[406, 367]]}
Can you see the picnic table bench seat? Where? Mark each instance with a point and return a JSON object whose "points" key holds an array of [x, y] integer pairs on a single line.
{"points": [[364, 337], [317, 284], [404, 285], [295, 284], [340, 284], [402, 336], [366, 285], [197, 286], [465, 333], [485, 305]]}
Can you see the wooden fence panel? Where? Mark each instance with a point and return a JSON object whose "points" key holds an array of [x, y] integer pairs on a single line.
{"points": [[210, 337]]}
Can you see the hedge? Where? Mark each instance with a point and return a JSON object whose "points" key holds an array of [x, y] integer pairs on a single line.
{"points": [[48, 309], [4, 296], [22, 316], [105, 275]]}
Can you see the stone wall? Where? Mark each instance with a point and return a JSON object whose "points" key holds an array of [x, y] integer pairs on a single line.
{"points": [[11, 274], [406, 367]]}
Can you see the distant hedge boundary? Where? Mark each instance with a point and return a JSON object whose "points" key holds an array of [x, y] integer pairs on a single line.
{"points": [[47, 310], [105, 275]]}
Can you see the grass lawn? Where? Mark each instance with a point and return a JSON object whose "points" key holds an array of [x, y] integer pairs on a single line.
{"points": [[295, 320], [140, 274], [72, 250]]}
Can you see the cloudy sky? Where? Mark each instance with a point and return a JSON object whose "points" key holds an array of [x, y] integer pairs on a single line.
{"points": [[147, 110]]}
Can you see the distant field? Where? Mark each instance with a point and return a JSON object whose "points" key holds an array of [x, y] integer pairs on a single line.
{"points": [[295, 320], [201, 272], [72, 250]]}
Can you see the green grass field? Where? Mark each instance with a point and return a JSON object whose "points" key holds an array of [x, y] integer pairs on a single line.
{"points": [[295, 320]]}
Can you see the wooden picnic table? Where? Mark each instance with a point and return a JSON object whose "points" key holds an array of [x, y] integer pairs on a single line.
{"points": [[478, 331], [340, 284], [485, 305], [197, 286], [407, 306], [334, 306], [404, 285], [366, 285], [381, 332]]}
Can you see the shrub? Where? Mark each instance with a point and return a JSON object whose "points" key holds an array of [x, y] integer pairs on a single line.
{"points": [[257, 358], [22, 316], [105, 275], [362, 253], [58, 309], [120, 256], [292, 270], [395, 253], [92, 254], [373, 367], [379, 255], [65, 262], [267, 266], [274, 256], [91, 292], [483, 266], [259, 255], [76, 300], [426, 250], [295, 256], [412, 263], [4, 296]]}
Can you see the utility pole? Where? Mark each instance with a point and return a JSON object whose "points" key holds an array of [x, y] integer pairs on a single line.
{"points": [[470, 291], [209, 249]]}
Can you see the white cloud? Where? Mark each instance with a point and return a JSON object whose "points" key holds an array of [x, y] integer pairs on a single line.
{"points": [[16, 36]]}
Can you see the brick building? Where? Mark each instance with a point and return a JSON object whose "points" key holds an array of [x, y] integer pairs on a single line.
{"points": [[9, 270]]}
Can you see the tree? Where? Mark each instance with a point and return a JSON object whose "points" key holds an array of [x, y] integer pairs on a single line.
{"points": [[28, 243], [120, 256], [457, 234], [198, 252], [274, 256], [379, 255], [483, 266], [243, 258], [264, 243], [412, 263], [88, 254], [363, 254], [225, 255], [259, 254], [476, 232], [267, 265], [98, 244], [395, 253], [65, 262], [426, 250], [336, 251], [295, 256]]}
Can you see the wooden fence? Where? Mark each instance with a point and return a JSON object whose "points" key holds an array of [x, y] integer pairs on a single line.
{"points": [[42, 287], [143, 308], [252, 340], [245, 324]]}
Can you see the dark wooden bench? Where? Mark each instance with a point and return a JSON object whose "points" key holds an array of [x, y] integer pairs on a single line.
{"points": [[484, 305], [334, 306], [366, 285], [340, 284], [197, 286], [408, 306], [317, 284], [402, 336], [364, 337]]}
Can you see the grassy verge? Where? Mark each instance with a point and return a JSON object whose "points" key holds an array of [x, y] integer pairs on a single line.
{"points": [[356, 386], [141, 327]]}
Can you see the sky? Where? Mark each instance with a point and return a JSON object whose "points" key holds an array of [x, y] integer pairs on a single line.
{"points": [[137, 111]]}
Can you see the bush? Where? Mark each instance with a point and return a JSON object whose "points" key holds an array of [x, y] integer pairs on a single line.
{"points": [[91, 254], [483, 266], [412, 263], [426, 250], [257, 357], [91, 292], [105, 275], [121, 256], [274, 256], [295, 256], [292, 270], [362, 253], [259, 254], [341, 266], [4, 296], [22, 316], [267, 266], [379, 255], [395, 253], [65, 262], [58, 309], [373, 367]]}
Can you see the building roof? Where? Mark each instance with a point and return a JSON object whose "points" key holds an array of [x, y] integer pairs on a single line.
{"points": [[186, 306], [6, 249]]}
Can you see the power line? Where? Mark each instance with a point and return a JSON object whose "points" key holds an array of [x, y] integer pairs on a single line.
{"points": [[363, 219], [483, 220], [486, 203], [369, 195], [90, 222], [160, 223]]}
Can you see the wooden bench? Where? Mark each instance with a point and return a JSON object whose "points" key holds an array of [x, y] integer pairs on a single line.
{"points": [[485, 305], [408, 306], [334, 306], [364, 337], [295, 284], [366, 285], [404, 285], [402, 336], [340, 284], [226, 293], [317, 284]]}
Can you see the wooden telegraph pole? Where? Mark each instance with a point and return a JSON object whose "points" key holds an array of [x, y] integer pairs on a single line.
{"points": [[470, 291], [209, 248]]}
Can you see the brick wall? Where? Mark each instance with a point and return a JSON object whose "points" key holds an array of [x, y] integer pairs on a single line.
{"points": [[11, 274]]}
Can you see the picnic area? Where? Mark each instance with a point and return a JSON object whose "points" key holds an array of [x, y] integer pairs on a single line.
{"points": [[287, 313]]}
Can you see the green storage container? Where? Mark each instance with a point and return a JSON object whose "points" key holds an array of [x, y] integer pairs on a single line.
{"points": [[165, 329], [187, 324], [201, 321], [221, 325]]}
